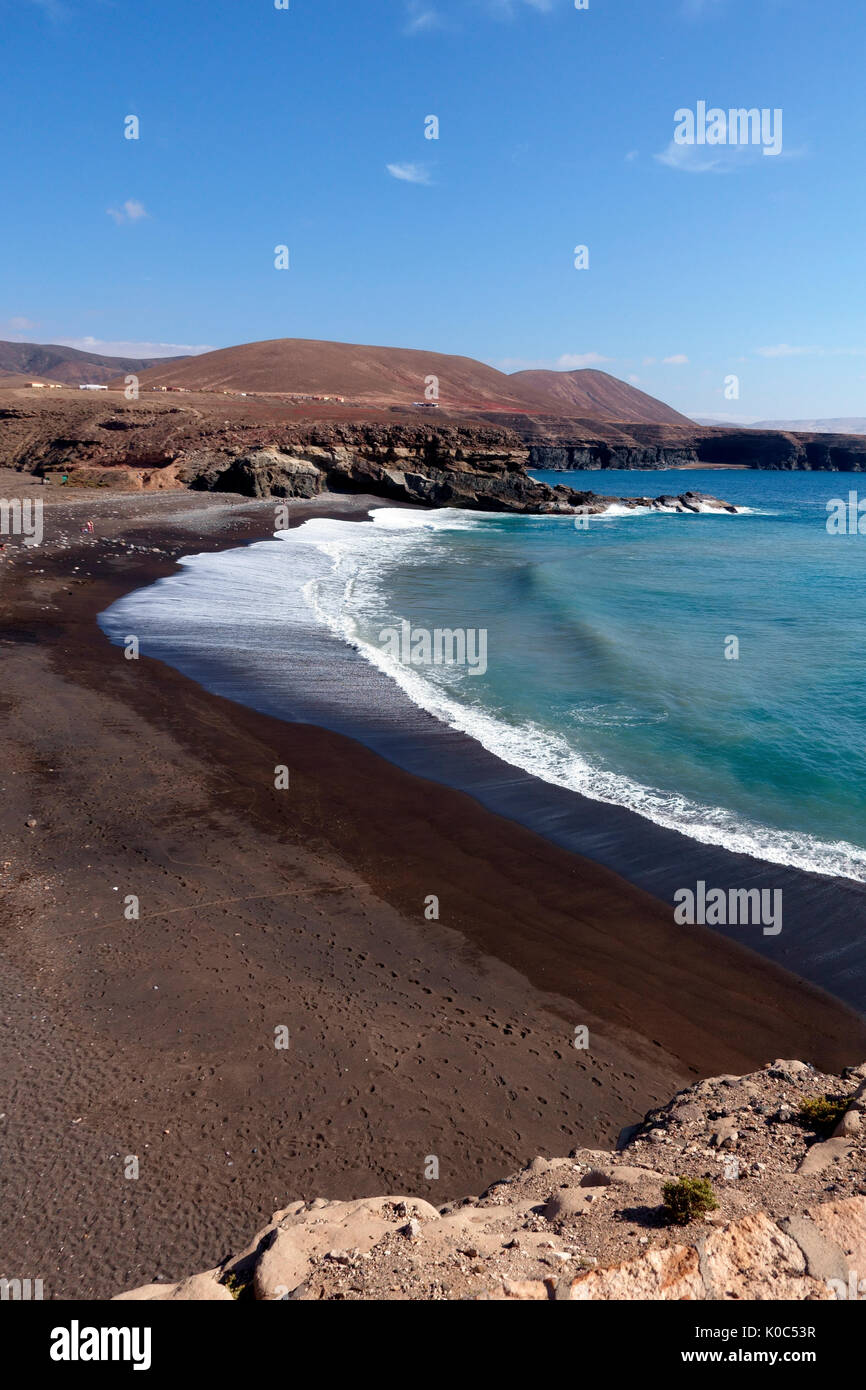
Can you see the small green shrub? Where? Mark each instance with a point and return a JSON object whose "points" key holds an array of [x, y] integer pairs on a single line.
{"points": [[688, 1198], [237, 1288], [823, 1113]]}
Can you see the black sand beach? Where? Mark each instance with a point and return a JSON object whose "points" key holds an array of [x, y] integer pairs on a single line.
{"points": [[305, 910]]}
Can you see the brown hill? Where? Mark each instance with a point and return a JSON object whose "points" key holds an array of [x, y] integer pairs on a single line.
{"points": [[53, 362], [593, 395], [396, 377]]}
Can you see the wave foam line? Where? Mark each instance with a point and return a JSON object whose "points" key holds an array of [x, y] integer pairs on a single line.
{"points": [[551, 758]]}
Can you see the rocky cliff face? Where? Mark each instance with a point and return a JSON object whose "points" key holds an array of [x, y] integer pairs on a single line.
{"points": [[562, 448], [258, 452], [784, 1152]]}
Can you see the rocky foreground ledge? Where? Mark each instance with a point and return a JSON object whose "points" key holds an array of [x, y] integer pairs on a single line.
{"points": [[783, 1150]]}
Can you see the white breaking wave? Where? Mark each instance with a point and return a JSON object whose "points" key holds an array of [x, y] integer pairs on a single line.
{"points": [[617, 509], [528, 746]]}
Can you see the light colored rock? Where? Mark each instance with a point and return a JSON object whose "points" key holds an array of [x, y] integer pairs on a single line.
{"points": [[844, 1224], [570, 1202], [824, 1259], [785, 1071], [201, 1288], [291, 1247], [724, 1132], [687, 1112], [668, 1275], [340, 1257], [821, 1156], [526, 1290], [198, 1288], [538, 1165], [754, 1259], [849, 1125]]}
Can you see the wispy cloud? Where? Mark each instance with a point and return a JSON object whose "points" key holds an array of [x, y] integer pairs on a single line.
{"points": [[786, 350], [678, 359], [722, 159], [708, 159], [133, 349], [132, 211], [421, 18], [409, 173]]}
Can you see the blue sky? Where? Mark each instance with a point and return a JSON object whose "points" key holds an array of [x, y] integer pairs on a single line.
{"points": [[305, 127]]}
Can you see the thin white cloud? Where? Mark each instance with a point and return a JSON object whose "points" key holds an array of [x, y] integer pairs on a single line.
{"points": [[132, 211], [707, 159], [421, 18], [18, 324], [678, 359], [409, 173], [721, 159], [786, 350], [133, 349]]}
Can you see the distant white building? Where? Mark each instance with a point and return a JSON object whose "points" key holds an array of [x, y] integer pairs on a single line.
{"points": [[92, 387]]}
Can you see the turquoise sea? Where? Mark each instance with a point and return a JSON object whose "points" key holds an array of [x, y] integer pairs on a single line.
{"points": [[606, 666]]}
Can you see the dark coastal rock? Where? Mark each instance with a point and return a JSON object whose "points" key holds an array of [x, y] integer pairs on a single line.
{"points": [[561, 446], [270, 473]]}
